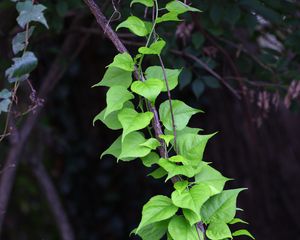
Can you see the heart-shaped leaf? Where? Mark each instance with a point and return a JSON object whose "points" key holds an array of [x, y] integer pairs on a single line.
{"points": [[149, 89]]}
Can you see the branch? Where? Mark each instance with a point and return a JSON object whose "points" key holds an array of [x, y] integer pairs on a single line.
{"points": [[54, 74], [49, 191]]}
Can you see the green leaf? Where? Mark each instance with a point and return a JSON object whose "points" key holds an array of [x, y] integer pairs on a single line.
{"points": [[182, 114], [157, 72], [184, 131], [180, 229], [220, 207], [158, 173], [192, 217], [155, 48], [5, 94], [151, 159], [149, 89], [135, 25], [167, 138], [116, 97], [19, 41], [198, 88], [185, 78], [212, 178], [181, 185], [131, 146], [151, 143], [218, 231], [179, 7], [29, 12], [123, 61], [157, 209], [173, 169], [132, 121], [147, 3], [242, 232], [237, 220], [168, 17], [4, 105], [179, 159], [115, 77], [111, 121], [22, 67], [193, 198], [192, 146], [154, 231]]}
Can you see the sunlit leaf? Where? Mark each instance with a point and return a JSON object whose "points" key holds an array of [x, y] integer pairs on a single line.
{"points": [[180, 229], [135, 25]]}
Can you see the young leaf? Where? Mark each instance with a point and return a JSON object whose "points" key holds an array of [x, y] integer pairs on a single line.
{"points": [[218, 230], [19, 41], [181, 185], [111, 121], [132, 121], [168, 17], [21, 67], [131, 146], [173, 169], [115, 77], [149, 89], [151, 143], [158, 173], [30, 12], [135, 25], [242, 232], [150, 159], [167, 138], [154, 231], [155, 48], [123, 61], [191, 146], [191, 216], [184, 131], [157, 72], [180, 7], [220, 207], [116, 97], [180, 229], [193, 198], [157, 209], [237, 220], [212, 178], [179, 159], [147, 3], [182, 114]]}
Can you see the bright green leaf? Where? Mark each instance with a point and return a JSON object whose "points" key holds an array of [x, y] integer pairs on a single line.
{"points": [[135, 25], [132, 121], [111, 121], [157, 72], [19, 41], [155, 48], [179, 159], [182, 114], [237, 220], [212, 178], [157, 209], [154, 231], [123, 61], [220, 207], [242, 232], [150, 159], [218, 231], [191, 216], [181, 185], [151, 143], [115, 77], [22, 67], [192, 146], [158, 173], [193, 198], [168, 17], [179, 7], [149, 89], [167, 138], [30, 12], [180, 229], [116, 97], [147, 3]]}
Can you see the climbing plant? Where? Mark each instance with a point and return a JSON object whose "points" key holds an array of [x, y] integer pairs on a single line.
{"points": [[199, 207]]}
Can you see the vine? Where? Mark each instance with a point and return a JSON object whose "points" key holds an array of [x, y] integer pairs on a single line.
{"points": [[24, 61], [199, 207]]}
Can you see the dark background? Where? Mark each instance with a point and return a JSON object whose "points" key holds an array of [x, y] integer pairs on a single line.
{"points": [[257, 143]]}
